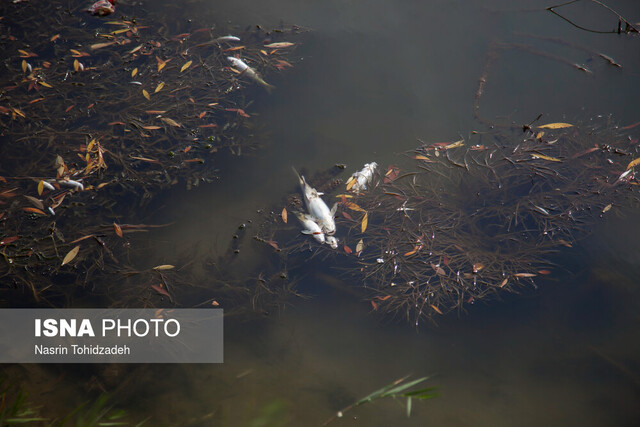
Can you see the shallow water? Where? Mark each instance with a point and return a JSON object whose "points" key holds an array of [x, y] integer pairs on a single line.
{"points": [[371, 78]]}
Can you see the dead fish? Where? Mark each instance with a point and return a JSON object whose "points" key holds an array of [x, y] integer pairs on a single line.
{"points": [[228, 38], [359, 180], [317, 207], [71, 183], [102, 8], [332, 241], [241, 66], [310, 227]]}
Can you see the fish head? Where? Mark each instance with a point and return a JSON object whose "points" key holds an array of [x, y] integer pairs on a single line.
{"points": [[320, 237], [332, 241]]}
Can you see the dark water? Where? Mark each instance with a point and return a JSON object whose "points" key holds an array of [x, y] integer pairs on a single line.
{"points": [[372, 77]]}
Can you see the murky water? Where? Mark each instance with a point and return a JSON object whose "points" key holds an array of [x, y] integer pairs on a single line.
{"points": [[371, 78]]}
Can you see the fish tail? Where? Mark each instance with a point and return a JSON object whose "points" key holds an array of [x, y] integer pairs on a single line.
{"points": [[300, 178]]}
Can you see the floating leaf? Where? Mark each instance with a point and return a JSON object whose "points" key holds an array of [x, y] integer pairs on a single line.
{"points": [[24, 66], [161, 290], [146, 94], [36, 202], [71, 255], [284, 215], [117, 229], [76, 65], [607, 208], [164, 267], [524, 275], [351, 182], [477, 267], [54, 38], [544, 272], [354, 207], [555, 126], [365, 221], [279, 45], [171, 122], [413, 251], [436, 309], [347, 249], [159, 87], [7, 240], [359, 246], [504, 282], [45, 84], [543, 157], [161, 63], [151, 127], [97, 46], [186, 65], [34, 210], [134, 72], [40, 187], [633, 163], [421, 157]]}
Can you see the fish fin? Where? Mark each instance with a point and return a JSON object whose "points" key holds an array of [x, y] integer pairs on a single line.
{"points": [[269, 88], [334, 208], [300, 178], [307, 232]]}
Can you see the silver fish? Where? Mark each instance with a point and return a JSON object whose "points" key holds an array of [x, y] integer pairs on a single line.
{"points": [[363, 177], [241, 66], [317, 207], [310, 227]]}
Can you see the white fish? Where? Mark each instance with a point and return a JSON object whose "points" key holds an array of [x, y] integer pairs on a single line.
{"points": [[332, 241], [241, 66], [71, 183], [228, 38], [359, 180], [310, 227], [317, 207]]}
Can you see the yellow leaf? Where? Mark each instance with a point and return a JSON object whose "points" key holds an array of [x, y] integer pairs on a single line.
{"points": [[437, 310], [171, 122], [555, 126], [264, 52], [40, 187], [146, 94], [365, 221], [71, 255], [18, 112], [135, 49], [543, 157], [359, 246], [524, 275], [456, 144], [351, 182], [354, 207], [24, 66], [539, 135], [159, 87], [185, 66], [120, 31], [161, 63], [164, 267], [279, 45], [117, 229], [606, 208], [45, 84], [633, 163], [76, 65], [284, 215], [134, 72], [421, 157]]}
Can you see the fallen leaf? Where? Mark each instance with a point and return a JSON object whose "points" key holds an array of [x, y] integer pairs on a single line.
{"points": [[606, 208], [524, 275], [543, 157], [436, 309], [71, 255], [284, 215], [40, 187], [347, 249], [279, 45], [544, 272], [164, 267], [34, 210], [346, 215], [146, 94], [171, 122], [555, 126], [159, 87], [161, 63], [359, 246], [117, 229], [351, 182], [354, 207], [374, 305], [7, 240], [186, 65], [152, 127], [273, 244], [477, 267], [36, 202], [504, 282], [45, 84], [134, 72], [633, 163], [161, 290], [365, 221]]}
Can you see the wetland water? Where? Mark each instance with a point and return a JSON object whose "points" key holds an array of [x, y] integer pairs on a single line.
{"points": [[369, 79]]}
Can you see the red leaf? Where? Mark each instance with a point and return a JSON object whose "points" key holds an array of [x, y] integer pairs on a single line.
{"points": [[347, 249], [8, 240], [160, 290]]}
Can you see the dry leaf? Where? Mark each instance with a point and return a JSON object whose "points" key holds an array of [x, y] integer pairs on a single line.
{"points": [[555, 126], [146, 94], [34, 210], [284, 215], [365, 221], [171, 122], [186, 65], [164, 267], [279, 45], [354, 207], [524, 275], [159, 87], [543, 157], [633, 163], [606, 208], [161, 63], [436, 309], [40, 187], [117, 229], [71, 255], [504, 282], [359, 246], [347, 249], [134, 72], [351, 182]]}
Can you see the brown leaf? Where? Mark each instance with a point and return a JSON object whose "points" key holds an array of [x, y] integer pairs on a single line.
{"points": [[161, 290], [33, 210], [347, 249], [365, 221], [117, 229], [436, 309], [7, 240], [284, 215], [524, 275], [164, 267], [40, 187], [71, 255], [171, 122]]}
